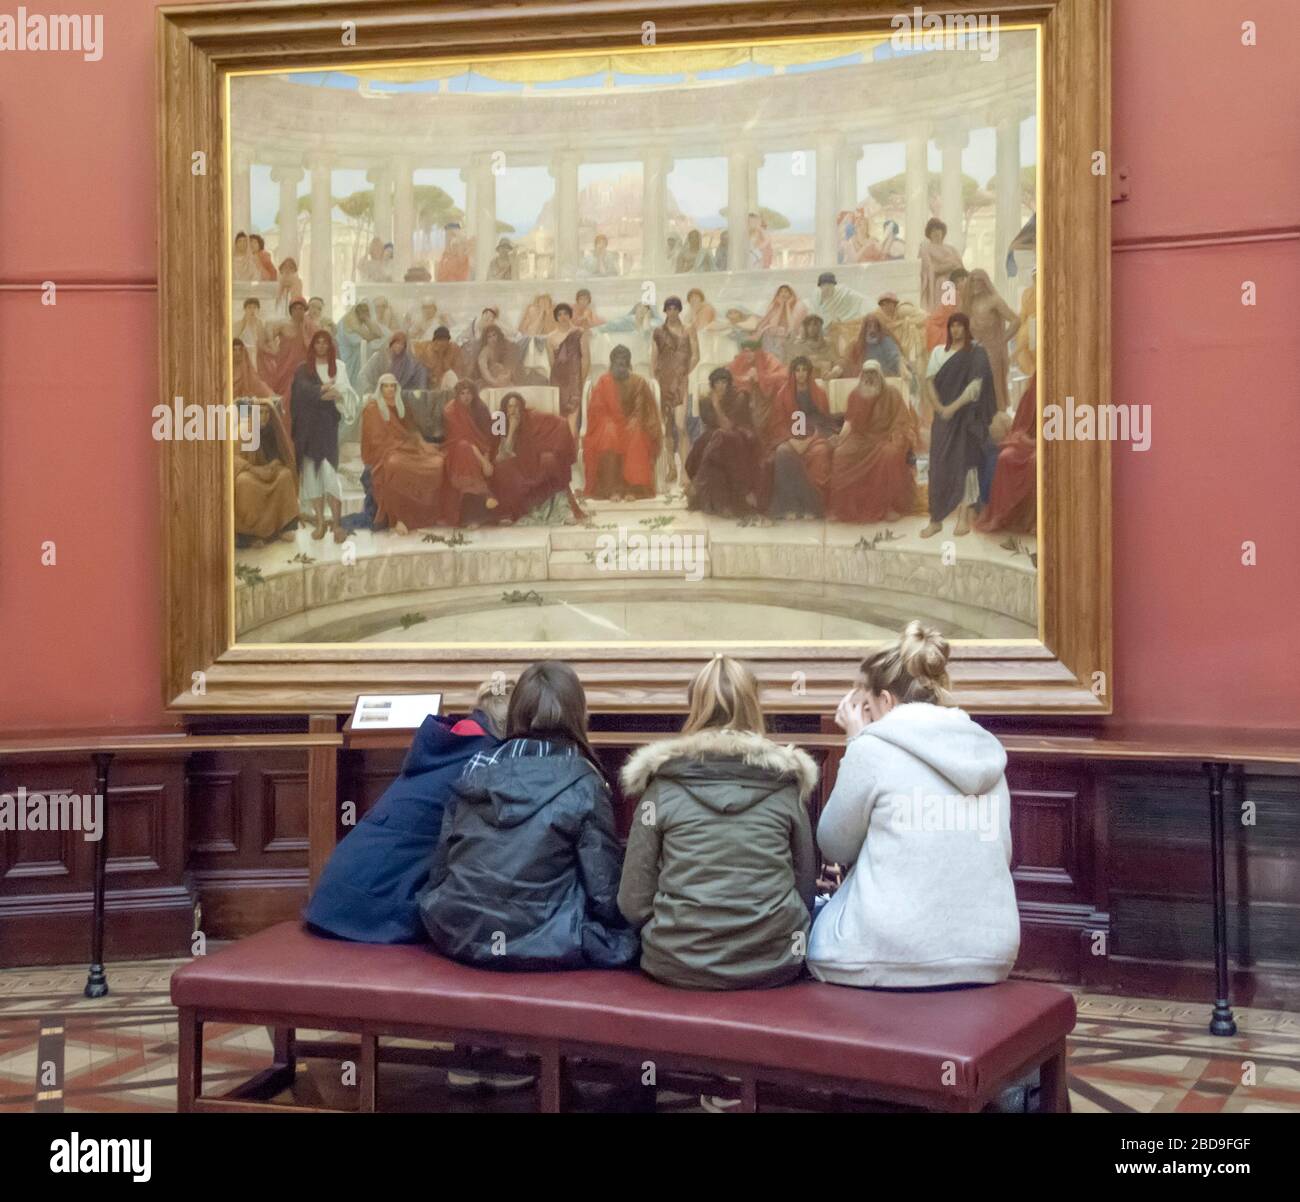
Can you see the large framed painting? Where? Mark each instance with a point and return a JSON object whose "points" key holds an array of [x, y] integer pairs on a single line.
{"points": [[628, 336]]}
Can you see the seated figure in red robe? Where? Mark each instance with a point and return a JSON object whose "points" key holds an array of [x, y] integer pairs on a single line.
{"points": [[534, 461], [759, 374], [1013, 499], [623, 434], [797, 442], [470, 448], [871, 479], [406, 473], [724, 468]]}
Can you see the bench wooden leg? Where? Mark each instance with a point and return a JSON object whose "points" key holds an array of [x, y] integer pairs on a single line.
{"points": [[282, 1053], [1053, 1088], [368, 1074], [189, 1062], [748, 1095], [550, 1080]]}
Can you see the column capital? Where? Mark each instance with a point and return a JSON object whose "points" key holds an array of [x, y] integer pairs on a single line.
{"points": [[953, 135], [378, 174], [286, 174], [1006, 115], [319, 160]]}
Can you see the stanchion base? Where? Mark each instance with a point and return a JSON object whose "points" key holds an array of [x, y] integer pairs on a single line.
{"points": [[1223, 1023], [97, 982]]}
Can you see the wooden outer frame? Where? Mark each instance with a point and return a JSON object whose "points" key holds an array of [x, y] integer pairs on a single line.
{"points": [[198, 46]]}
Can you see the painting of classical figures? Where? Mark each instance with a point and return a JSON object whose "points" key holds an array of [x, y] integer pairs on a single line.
{"points": [[726, 343]]}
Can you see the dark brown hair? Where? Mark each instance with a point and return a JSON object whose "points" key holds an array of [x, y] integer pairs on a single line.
{"points": [[957, 319], [548, 702]]}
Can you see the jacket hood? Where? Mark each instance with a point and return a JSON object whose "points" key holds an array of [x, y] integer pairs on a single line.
{"points": [[688, 759], [947, 740], [512, 791], [434, 741]]}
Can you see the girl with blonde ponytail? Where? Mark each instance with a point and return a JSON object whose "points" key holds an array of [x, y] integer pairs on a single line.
{"points": [[922, 815], [720, 867]]}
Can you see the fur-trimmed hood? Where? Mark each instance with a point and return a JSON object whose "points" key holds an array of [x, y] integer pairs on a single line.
{"points": [[752, 749]]}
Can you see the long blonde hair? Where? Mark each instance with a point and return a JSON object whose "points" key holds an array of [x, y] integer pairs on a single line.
{"points": [[724, 695], [915, 668]]}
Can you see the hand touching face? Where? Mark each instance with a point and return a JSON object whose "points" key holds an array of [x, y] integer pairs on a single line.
{"points": [[851, 715]]}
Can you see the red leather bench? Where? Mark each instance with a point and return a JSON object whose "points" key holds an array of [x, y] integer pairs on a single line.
{"points": [[947, 1050]]}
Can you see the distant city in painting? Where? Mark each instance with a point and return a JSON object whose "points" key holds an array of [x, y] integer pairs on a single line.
{"points": [[708, 345]]}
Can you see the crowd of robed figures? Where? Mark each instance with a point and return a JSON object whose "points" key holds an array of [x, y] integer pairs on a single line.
{"points": [[761, 439]]}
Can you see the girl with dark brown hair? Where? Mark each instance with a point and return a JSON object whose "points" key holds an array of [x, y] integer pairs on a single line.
{"points": [[526, 871]]}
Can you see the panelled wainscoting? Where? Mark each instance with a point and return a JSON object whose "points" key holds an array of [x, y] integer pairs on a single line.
{"points": [[1112, 864]]}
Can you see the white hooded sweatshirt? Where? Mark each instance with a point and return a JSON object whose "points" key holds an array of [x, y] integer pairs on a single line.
{"points": [[921, 812]]}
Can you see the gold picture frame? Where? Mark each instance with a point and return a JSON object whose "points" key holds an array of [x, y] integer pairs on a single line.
{"points": [[1068, 669]]}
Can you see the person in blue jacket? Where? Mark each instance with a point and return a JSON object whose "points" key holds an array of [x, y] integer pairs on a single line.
{"points": [[368, 890]]}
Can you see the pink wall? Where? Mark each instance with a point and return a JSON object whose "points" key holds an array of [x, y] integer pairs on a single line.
{"points": [[1209, 130]]}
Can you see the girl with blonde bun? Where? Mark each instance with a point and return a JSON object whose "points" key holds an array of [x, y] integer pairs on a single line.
{"points": [[921, 813]]}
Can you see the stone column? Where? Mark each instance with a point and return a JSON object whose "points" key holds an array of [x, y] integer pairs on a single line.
{"points": [[485, 215], [847, 174], [403, 215], [287, 178], [382, 180], [917, 192], [826, 206], [655, 166], [565, 172], [320, 277], [951, 142], [469, 177], [1007, 223], [737, 210], [241, 202]]}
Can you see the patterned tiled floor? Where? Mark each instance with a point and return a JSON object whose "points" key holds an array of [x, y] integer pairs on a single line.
{"points": [[62, 1052]]}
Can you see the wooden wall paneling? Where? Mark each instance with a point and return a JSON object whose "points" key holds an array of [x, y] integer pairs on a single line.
{"points": [[248, 837], [1051, 865], [283, 810], [46, 876], [1159, 882]]}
